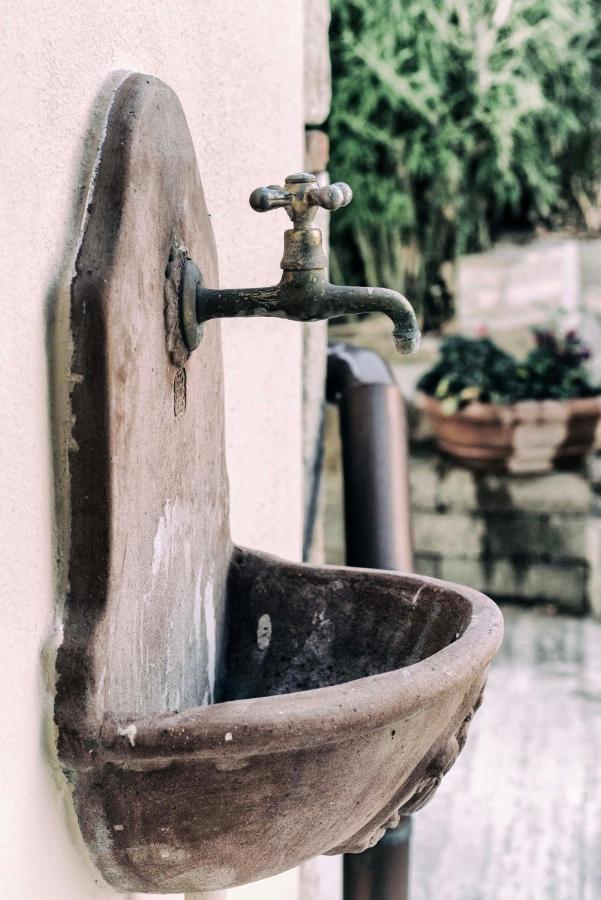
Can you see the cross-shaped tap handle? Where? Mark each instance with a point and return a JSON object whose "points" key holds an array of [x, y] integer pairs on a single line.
{"points": [[300, 196]]}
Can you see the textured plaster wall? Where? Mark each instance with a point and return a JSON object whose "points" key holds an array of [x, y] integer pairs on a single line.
{"points": [[242, 93]]}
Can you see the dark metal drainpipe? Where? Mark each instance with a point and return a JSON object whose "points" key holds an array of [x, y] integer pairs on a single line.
{"points": [[373, 432]]}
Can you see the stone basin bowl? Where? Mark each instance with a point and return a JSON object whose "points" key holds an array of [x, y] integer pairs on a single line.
{"points": [[345, 695]]}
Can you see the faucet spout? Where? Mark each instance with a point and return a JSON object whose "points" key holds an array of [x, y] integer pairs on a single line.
{"points": [[306, 296], [348, 300]]}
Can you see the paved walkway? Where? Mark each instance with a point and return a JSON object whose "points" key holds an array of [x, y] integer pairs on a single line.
{"points": [[519, 816]]}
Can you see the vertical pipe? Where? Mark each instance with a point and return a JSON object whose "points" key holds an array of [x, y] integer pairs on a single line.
{"points": [[380, 873], [376, 488], [373, 430]]}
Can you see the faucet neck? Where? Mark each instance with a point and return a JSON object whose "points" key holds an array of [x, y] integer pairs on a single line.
{"points": [[303, 250]]}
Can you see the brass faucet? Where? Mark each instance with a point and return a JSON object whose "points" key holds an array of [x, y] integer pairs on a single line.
{"points": [[303, 293]]}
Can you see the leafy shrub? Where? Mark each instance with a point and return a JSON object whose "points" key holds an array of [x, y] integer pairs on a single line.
{"points": [[555, 368], [452, 118], [477, 369]]}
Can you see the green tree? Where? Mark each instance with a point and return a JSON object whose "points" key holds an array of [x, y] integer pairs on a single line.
{"points": [[451, 118]]}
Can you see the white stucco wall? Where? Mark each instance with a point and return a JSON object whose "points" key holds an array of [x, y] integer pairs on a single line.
{"points": [[242, 93]]}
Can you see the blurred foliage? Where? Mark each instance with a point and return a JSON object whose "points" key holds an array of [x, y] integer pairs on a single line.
{"points": [[452, 119], [477, 369]]}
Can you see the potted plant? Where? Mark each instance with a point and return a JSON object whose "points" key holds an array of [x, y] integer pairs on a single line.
{"points": [[493, 411]]}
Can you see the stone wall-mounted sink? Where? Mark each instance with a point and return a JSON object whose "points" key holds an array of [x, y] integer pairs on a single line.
{"points": [[221, 715], [343, 697]]}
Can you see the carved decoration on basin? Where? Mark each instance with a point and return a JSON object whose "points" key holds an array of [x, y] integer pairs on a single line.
{"points": [[420, 793]]}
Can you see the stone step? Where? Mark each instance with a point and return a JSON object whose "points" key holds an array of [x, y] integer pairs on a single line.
{"points": [[550, 537], [565, 586], [438, 483]]}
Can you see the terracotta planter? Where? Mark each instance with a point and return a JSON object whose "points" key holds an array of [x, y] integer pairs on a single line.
{"points": [[527, 437]]}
